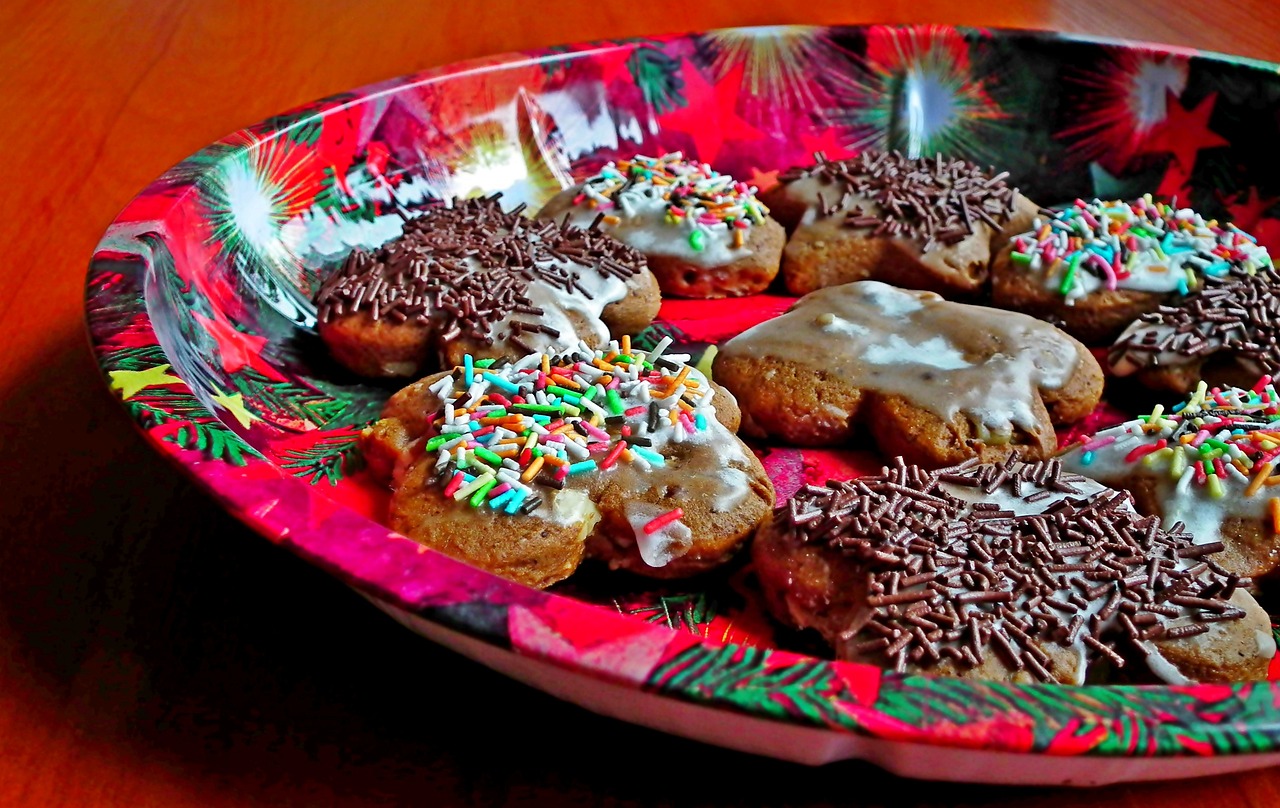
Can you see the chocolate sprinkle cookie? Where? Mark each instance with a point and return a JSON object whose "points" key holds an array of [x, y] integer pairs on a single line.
{"points": [[1235, 319], [926, 223], [476, 273], [935, 200], [1023, 565]]}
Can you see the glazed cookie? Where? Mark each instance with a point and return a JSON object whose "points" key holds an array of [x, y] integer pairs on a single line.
{"points": [[924, 223], [1207, 466], [704, 234], [472, 278], [1224, 333], [1095, 267], [937, 381], [1013, 572], [524, 468]]}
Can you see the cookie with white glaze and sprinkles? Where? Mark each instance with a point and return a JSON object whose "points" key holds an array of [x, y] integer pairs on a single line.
{"points": [[927, 223], [934, 380], [1095, 267], [1224, 333], [1210, 464], [473, 278], [1013, 572], [704, 234], [526, 468]]}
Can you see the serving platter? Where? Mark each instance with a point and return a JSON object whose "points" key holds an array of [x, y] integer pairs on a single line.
{"points": [[198, 307]]}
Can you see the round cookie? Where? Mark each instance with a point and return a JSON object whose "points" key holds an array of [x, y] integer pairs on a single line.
{"points": [[1095, 267], [1010, 572], [1224, 333], [926, 223], [704, 234], [932, 380], [1207, 466], [525, 468], [474, 279]]}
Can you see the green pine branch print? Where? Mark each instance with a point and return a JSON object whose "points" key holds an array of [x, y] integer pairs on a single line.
{"points": [[288, 399], [658, 77], [691, 612], [744, 677], [329, 459], [195, 429]]}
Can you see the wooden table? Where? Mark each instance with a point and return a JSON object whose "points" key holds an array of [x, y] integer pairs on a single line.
{"points": [[155, 652]]}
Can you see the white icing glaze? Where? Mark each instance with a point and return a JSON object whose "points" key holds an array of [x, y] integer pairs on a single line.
{"points": [[945, 362], [643, 212], [570, 507], [663, 546]]}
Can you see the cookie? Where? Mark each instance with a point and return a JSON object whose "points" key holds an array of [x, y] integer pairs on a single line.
{"points": [[1206, 465], [526, 468], [925, 223], [703, 233], [1012, 572], [1095, 267], [474, 279], [932, 380], [1224, 333]]}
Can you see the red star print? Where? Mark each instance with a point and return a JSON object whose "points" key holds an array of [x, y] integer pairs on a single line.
{"points": [[236, 348], [1245, 214], [1184, 132], [711, 117], [1176, 183], [827, 142], [1267, 232]]}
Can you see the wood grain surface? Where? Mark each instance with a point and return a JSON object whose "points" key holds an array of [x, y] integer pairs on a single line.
{"points": [[155, 652]]}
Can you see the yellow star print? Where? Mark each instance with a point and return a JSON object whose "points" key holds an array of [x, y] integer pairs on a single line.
{"points": [[129, 382], [234, 404]]}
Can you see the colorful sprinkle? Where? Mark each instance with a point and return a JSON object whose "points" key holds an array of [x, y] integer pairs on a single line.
{"points": [[658, 523]]}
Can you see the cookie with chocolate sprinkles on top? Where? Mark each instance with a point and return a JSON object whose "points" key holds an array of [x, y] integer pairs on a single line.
{"points": [[1015, 572], [1095, 267], [1205, 466], [926, 223], [704, 234], [1224, 333], [524, 468], [471, 278]]}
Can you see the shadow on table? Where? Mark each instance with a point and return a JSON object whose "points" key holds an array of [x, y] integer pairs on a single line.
{"points": [[169, 635]]}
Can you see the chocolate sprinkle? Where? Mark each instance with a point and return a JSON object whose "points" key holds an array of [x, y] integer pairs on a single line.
{"points": [[469, 266], [1004, 581], [1235, 314], [935, 201]]}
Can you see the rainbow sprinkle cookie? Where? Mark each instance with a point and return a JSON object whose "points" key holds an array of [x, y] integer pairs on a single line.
{"points": [[1204, 463], [668, 207], [525, 468], [1146, 246], [508, 432], [686, 194]]}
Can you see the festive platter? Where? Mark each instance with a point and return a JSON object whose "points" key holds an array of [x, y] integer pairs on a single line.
{"points": [[231, 304]]}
